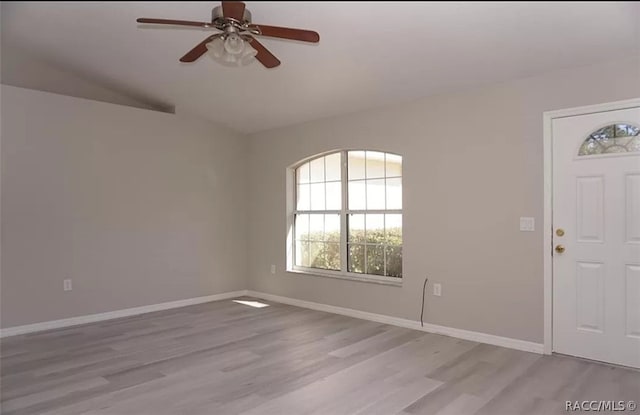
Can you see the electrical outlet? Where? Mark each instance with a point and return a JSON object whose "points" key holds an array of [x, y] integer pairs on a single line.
{"points": [[66, 285], [273, 269], [437, 290]]}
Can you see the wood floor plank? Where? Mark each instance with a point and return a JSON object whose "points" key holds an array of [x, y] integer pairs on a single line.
{"points": [[228, 358]]}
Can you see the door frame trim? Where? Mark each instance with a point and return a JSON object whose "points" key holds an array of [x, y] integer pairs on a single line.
{"points": [[547, 221]]}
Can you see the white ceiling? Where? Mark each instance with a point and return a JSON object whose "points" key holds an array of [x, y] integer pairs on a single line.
{"points": [[370, 54]]}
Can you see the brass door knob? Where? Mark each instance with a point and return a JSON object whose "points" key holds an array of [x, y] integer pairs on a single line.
{"points": [[559, 249]]}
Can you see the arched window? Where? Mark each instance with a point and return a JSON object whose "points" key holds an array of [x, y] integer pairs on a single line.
{"points": [[347, 215], [614, 138]]}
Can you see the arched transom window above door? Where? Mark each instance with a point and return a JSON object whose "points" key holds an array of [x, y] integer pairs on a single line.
{"points": [[614, 138]]}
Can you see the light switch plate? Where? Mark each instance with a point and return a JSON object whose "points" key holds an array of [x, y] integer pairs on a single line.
{"points": [[527, 224], [273, 269], [66, 285]]}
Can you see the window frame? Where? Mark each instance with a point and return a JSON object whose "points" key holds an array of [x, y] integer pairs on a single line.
{"points": [[344, 212]]}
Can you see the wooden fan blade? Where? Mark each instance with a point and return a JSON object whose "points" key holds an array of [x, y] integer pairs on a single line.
{"points": [[199, 50], [233, 9], [173, 22], [264, 56], [288, 33]]}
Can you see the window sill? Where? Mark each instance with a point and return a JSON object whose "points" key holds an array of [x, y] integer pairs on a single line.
{"points": [[374, 279]]}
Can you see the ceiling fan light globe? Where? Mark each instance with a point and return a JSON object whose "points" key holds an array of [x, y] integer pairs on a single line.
{"points": [[230, 59], [234, 44], [216, 48], [248, 55]]}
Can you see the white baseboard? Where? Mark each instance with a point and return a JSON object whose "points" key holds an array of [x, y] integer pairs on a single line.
{"points": [[92, 318], [380, 318], [475, 336]]}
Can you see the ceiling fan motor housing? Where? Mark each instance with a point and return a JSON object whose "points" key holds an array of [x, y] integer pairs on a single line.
{"points": [[217, 16]]}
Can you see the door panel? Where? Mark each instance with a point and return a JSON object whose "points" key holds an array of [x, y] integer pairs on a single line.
{"points": [[633, 208], [596, 201], [590, 209], [589, 296], [632, 303]]}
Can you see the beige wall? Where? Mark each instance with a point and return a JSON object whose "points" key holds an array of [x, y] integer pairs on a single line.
{"points": [[472, 166], [140, 207], [136, 207], [23, 68]]}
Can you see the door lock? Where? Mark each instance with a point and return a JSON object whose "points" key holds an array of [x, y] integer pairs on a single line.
{"points": [[560, 249]]}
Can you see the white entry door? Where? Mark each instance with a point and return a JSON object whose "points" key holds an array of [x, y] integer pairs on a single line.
{"points": [[596, 236]]}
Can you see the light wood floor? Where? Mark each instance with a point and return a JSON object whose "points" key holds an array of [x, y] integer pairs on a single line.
{"points": [[228, 358]]}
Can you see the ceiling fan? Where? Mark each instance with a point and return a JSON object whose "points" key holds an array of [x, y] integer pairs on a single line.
{"points": [[236, 43]]}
